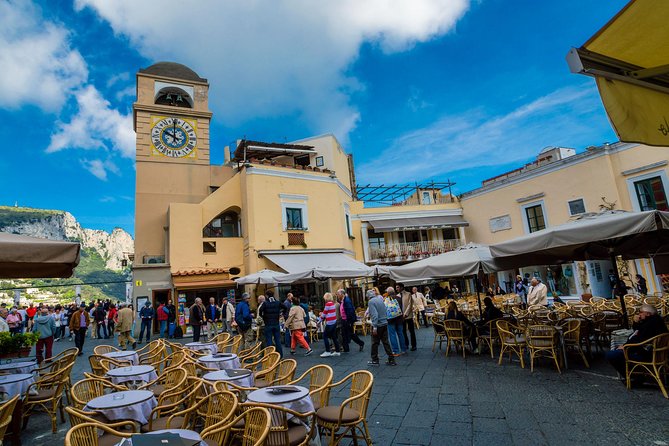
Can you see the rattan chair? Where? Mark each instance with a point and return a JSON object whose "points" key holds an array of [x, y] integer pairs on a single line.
{"points": [[487, 335], [572, 336], [216, 407], [46, 394], [283, 373], [348, 420], [150, 347], [455, 334], [172, 378], [153, 357], [173, 410], [85, 390], [320, 378], [256, 422], [6, 411], [512, 340], [87, 434], [439, 333], [104, 438], [657, 366], [232, 345], [249, 352], [543, 340], [100, 365], [283, 433], [264, 367], [102, 349]]}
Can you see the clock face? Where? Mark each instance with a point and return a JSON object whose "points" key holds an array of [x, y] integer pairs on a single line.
{"points": [[173, 137]]}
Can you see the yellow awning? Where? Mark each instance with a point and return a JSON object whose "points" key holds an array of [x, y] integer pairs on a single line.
{"points": [[629, 57]]}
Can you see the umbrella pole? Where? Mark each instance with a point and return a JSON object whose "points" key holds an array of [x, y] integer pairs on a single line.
{"points": [[623, 307]]}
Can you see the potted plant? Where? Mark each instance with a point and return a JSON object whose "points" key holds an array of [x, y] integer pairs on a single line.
{"points": [[17, 345]]}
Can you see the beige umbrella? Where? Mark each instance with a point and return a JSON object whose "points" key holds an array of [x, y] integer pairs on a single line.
{"points": [[28, 257], [629, 58]]}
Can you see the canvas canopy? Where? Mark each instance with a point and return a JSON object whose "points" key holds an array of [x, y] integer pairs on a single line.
{"points": [[461, 262], [594, 236], [29, 257], [629, 58], [305, 266], [262, 277]]}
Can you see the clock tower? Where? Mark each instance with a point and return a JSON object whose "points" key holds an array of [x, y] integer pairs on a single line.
{"points": [[171, 121]]}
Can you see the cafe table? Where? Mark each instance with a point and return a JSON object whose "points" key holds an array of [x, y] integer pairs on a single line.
{"points": [[238, 377], [135, 405], [132, 374], [124, 355], [15, 384], [220, 361], [202, 346], [18, 367]]}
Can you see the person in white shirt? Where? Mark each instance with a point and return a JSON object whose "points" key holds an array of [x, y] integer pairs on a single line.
{"points": [[419, 303], [3, 316], [538, 293]]}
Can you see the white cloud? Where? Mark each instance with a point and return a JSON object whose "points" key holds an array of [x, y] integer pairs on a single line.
{"points": [[38, 65], [565, 117], [99, 168], [95, 126], [270, 58]]}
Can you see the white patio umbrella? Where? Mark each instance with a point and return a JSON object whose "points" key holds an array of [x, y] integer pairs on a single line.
{"points": [[262, 277]]}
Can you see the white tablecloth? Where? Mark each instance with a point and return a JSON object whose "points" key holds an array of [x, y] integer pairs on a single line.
{"points": [[245, 380], [135, 373], [229, 361], [15, 384], [133, 405], [297, 401], [19, 367], [128, 355], [183, 433], [203, 346]]}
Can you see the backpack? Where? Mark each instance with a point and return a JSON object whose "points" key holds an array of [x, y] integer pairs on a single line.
{"points": [[178, 332], [393, 309]]}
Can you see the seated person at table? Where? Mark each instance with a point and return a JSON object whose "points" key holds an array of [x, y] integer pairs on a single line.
{"points": [[490, 312], [647, 324], [470, 329]]}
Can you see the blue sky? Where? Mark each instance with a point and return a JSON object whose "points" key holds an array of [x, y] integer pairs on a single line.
{"points": [[417, 90]]}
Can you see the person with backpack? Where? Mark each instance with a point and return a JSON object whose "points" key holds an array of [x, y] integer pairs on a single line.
{"points": [[269, 312], [395, 323], [295, 323], [244, 318], [162, 313]]}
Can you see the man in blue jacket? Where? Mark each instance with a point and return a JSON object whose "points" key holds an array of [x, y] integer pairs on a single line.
{"points": [[146, 313], [349, 318], [244, 318]]}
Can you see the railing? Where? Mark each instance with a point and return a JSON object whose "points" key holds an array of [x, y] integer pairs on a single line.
{"points": [[415, 201], [397, 252]]}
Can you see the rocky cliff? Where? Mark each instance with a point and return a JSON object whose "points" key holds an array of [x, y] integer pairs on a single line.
{"points": [[60, 225]]}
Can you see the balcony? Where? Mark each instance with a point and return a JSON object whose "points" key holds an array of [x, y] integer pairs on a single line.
{"points": [[404, 252]]}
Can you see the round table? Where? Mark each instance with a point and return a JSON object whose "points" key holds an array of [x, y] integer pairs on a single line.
{"points": [[297, 401], [200, 346], [134, 373], [124, 355], [183, 433], [133, 405], [238, 377], [19, 367], [15, 384], [220, 361]]}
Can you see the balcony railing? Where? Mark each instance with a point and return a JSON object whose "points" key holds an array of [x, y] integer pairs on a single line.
{"points": [[415, 201], [398, 252]]}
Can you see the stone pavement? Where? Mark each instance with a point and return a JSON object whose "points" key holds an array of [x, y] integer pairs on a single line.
{"points": [[428, 399]]}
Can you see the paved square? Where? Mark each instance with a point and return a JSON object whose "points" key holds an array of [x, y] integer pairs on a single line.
{"points": [[430, 400]]}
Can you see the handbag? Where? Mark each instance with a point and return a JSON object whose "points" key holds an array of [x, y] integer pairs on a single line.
{"points": [[393, 309]]}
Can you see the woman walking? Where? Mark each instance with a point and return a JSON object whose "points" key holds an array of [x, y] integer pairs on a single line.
{"points": [[329, 315], [295, 323]]}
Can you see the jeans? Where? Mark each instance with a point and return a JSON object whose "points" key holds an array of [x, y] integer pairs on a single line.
{"points": [[273, 337], [286, 336], [331, 333], [395, 333], [42, 344], [349, 334], [146, 324], [104, 330], [163, 328], [79, 338], [408, 326], [381, 336], [110, 327], [617, 359]]}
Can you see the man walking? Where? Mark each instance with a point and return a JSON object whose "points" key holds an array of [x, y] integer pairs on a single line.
{"points": [[538, 293], [99, 316], [213, 316], [378, 315], [197, 315], [270, 312], [227, 314], [146, 313], [124, 326], [406, 301], [78, 326], [419, 304], [349, 318], [46, 326], [243, 317]]}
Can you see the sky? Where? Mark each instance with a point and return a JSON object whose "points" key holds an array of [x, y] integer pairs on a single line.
{"points": [[417, 90]]}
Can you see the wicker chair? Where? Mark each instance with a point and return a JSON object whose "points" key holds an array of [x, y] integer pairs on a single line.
{"points": [[512, 340], [283, 373], [153, 357], [282, 433], [216, 407], [656, 367], [102, 349], [150, 347], [87, 434], [572, 335], [320, 378], [47, 394], [455, 333], [174, 408], [264, 367], [172, 378], [6, 411], [439, 333], [543, 340], [250, 351], [348, 420], [256, 422], [100, 365], [85, 390], [231, 345], [487, 335], [78, 417]]}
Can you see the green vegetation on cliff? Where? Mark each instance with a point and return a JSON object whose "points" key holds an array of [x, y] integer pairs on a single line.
{"points": [[10, 216]]}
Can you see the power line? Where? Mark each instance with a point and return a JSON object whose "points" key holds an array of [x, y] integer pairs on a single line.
{"points": [[64, 285]]}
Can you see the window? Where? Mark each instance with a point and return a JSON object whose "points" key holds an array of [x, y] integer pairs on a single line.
{"points": [[651, 195], [535, 218], [449, 234], [225, 225], [376, 240], [319, 161], [576, 207], [294, 218], [208, 246]]}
